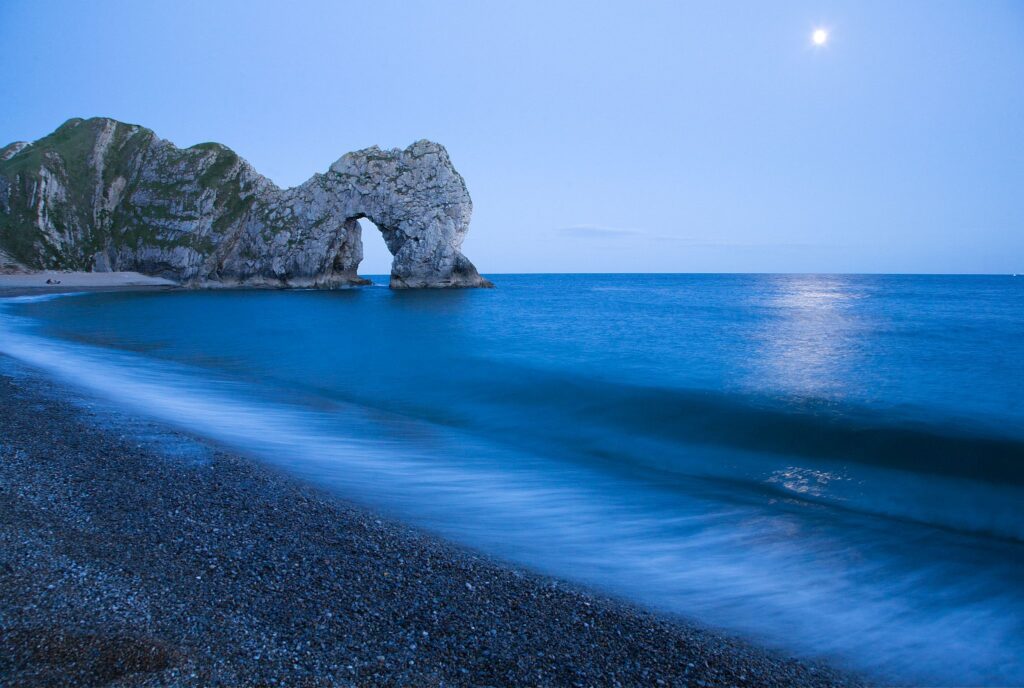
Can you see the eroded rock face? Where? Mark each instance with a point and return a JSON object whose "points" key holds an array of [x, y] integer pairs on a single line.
{"points": [[102, 195]]}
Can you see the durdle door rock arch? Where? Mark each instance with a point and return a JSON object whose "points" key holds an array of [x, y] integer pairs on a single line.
{"points": [[101, 195]]}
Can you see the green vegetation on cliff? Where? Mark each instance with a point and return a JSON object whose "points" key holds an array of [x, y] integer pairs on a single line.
{"points": [[98, 186]]}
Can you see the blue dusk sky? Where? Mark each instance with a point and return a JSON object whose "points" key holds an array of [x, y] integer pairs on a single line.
{"points": [[594, 136]]}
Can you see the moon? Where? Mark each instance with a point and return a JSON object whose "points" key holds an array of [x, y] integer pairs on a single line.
{"points": [[819, 37]]}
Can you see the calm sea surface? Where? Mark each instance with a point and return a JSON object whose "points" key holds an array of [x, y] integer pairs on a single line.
{"points": [[833, 465]]}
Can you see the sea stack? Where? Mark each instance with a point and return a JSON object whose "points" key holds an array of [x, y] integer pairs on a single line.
{"points": [[102, 195]]}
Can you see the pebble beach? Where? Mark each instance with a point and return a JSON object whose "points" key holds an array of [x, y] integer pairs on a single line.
{"points": [[123, 566]]}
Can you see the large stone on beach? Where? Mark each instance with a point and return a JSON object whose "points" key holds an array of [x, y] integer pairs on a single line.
{"points": [[106, 196]]}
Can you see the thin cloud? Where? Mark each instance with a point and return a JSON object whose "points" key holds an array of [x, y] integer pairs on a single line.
{"points": [[604, 232], [599, 232]]}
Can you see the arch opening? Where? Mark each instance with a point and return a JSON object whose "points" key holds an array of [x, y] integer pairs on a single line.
{"points": [[377, 258]]}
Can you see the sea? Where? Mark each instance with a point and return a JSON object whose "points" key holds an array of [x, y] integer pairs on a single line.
{"points": [[829, 465]]}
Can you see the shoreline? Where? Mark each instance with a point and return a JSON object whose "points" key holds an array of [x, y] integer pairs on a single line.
{"points": [[34, 283], [31, 283], [121, 563]]}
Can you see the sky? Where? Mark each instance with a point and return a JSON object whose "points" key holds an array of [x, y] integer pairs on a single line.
{"points": [[594, 136]]}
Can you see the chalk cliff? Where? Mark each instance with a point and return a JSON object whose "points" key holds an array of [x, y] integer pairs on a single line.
{"points": [[102, 195]]}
